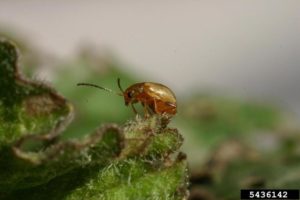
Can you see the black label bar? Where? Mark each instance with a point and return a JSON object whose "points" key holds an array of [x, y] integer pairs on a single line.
{"points": [[269, 194]]}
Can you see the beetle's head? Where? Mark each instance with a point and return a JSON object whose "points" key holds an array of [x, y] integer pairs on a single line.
{"points": [[129, 96]]}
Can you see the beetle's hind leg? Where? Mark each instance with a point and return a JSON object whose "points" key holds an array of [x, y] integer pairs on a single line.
{"points": [[155, 106]]}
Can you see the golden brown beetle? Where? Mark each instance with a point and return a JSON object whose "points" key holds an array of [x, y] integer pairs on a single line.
{"points": [[155, 97]]}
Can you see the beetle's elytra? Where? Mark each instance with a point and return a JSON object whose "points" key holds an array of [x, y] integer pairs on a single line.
{"points": [[154, 97]]}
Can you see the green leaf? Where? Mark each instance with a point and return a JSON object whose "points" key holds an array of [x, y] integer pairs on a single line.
{"points": [[138, 160]]}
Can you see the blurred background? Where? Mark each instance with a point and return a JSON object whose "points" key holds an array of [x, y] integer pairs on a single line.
{"points": [[234, 66], [246, 48]]}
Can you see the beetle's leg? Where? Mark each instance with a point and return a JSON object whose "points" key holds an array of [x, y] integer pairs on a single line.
{"points": [[133, 108], [146, 110], [155, 106]]}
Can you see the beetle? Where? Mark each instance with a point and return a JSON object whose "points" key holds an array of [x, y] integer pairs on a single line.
{"points": [[156, 98]]}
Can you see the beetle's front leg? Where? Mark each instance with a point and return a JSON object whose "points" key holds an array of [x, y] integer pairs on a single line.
{"points": [[146, 110], [133, 108]]}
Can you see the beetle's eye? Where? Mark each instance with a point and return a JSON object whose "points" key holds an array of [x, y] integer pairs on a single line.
{"points": [[130, 94]]}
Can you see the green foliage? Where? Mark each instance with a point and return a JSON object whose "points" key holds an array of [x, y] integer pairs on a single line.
{"points": [[236, 144], [26, 106], [231, 143], [208, 121], [216, 118], [134, 161]]}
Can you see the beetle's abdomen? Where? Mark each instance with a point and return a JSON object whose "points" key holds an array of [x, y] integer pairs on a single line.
{"points": [[161, 107], [167, 108]]}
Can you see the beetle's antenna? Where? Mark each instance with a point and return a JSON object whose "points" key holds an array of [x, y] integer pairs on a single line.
{"points": [[119, 84], [99, 87], [94, 85]]}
